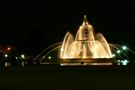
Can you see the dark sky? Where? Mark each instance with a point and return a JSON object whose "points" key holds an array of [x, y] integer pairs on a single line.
{"points": [[39, 24]]}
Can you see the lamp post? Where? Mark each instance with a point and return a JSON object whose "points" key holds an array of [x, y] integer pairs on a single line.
{"points": [[7, 63], [23, 58]]}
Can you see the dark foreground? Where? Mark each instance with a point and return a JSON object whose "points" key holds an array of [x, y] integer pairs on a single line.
{"points": [[52, 77]]}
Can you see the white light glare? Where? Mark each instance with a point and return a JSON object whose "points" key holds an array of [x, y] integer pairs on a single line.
{"points": [[49, 57], [124, 47], [125, 62], [6, 55], [118, 51], [23, 56]]}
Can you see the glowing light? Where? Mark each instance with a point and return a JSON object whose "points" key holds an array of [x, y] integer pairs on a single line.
{"points": [[16, 57], [6, 55], [49, 57], [125, 62], [124, 47], [8, 48], [23, 56], [122, 62], [118, 51], [118, 62]]}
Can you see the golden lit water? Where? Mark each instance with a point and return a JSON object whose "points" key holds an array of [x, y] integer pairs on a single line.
{"points": [[86, 44]]}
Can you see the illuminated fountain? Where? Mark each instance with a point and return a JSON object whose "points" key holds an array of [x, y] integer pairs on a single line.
{"points": [[85, 46]]}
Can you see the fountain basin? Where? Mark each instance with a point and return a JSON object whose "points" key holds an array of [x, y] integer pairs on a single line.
{"points": [[86, 61]]}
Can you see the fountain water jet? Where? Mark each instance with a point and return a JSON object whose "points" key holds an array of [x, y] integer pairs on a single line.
{"points": [[85, 44]]}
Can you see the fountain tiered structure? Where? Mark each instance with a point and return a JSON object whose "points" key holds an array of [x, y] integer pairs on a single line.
{"points": [[86, 48]]}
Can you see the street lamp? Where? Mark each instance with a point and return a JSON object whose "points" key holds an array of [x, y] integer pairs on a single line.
{"points": [[8, 48], [23, 56], [7, 63], [6, 55], [49, 57], [125, 62], [124, 47], [118, 51]]}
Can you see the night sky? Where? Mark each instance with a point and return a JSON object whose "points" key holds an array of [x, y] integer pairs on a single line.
{"points": [[37, 25]]}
